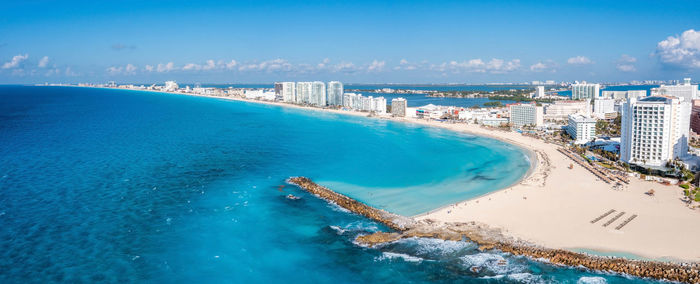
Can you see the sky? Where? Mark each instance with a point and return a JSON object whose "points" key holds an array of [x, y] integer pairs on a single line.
{"points": [[352, 41]]}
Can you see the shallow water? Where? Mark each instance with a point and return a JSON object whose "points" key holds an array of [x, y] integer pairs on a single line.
{"points": [[121, 186]]}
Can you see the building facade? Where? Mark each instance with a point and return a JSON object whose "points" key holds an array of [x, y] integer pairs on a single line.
{"points": [[303, 95], [687, 91], [584, 91], [526, 114], [398, 107], [539, 92], [623, 95], [335, 93], [654, 130], [170, 86], [695, 117], [581, 128], [560, 110], [603, 106], [318, 94]]}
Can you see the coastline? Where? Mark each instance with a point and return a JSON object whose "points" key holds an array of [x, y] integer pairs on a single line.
{"points": [[536, 210]]}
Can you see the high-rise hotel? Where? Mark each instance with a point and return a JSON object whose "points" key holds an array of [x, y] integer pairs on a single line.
{"points": [[585, 91], [654, 130], [335, 93]]}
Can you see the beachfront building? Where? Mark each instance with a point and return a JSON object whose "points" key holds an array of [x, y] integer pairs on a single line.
{"points": [[539, 93], [687, 91], [378, 105], [654, 130], [170, 86], [493, 121], [623, 95], [584, 91], [398, 107], [335, 93], [560, 110], [318, 94], [259, 95], [581, 128], [526, 114], [349, 100], [303, 92], [285, 91]]}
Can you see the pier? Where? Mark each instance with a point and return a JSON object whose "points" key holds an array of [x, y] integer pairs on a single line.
{"points": [[488, 238]]}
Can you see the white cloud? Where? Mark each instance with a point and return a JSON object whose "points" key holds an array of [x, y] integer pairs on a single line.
{"points": [[148, 68], [403, 62], [376, 66], [547, 65], [130, 69], [274, 65], [113, 70], [165, 67], [230, 65], [681, 51], [191, 67], [15, 62], [626, 63], [494, 66], [579, 60], [44, 62]]}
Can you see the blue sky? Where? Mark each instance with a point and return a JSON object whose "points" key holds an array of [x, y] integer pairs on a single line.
{"points": [[358, 41]]}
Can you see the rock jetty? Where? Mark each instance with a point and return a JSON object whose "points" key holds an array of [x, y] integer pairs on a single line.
{"points": [[489, 238]]}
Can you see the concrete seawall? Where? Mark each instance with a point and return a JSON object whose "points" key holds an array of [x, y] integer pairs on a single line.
{"points": [[489, 238]]}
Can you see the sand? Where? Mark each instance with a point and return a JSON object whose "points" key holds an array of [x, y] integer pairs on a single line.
{"points": [[553, 206]]}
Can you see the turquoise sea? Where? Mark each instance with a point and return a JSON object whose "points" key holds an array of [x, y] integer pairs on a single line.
{"points": [[102, 185]]}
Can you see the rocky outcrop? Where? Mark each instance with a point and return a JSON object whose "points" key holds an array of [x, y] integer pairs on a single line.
{"points": [[488, 238]]}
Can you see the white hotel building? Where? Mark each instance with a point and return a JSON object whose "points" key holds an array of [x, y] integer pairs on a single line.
{"points": [[526, 114], [687, 91], [654, 130], [581, 128], [585, 91]]}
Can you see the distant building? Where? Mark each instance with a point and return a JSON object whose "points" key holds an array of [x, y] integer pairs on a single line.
{"points": [[303, 92], [526, 114], [335, 93], [170, 86], [398, 107], [560, 110], [623, 95], [539, 93], [687, 91], [583, 91], [318, 94], [654, 130], [581, 128]]}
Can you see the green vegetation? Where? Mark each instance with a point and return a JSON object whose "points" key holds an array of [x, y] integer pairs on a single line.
{"points": [[685, 186], [697, 196], [492, 104], [686, 192], [603, 127]]}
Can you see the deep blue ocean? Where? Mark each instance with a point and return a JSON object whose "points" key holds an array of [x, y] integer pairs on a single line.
{"points": [[102, 185]]}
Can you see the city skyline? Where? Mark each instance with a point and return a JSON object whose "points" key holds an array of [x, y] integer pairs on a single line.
{"points": [[360, 42]]}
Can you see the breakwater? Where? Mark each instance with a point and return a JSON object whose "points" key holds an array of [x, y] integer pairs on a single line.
{"points": [[488, 238]]}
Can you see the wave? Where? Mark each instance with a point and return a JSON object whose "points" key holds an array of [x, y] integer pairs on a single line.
{"points": [[591, 280], [393, 255]]}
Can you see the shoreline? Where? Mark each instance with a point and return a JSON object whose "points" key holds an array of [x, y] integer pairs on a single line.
{"points": [[551, 205]]}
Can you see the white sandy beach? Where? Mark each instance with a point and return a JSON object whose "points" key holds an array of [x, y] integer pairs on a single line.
{"points": [[553, 206]]}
